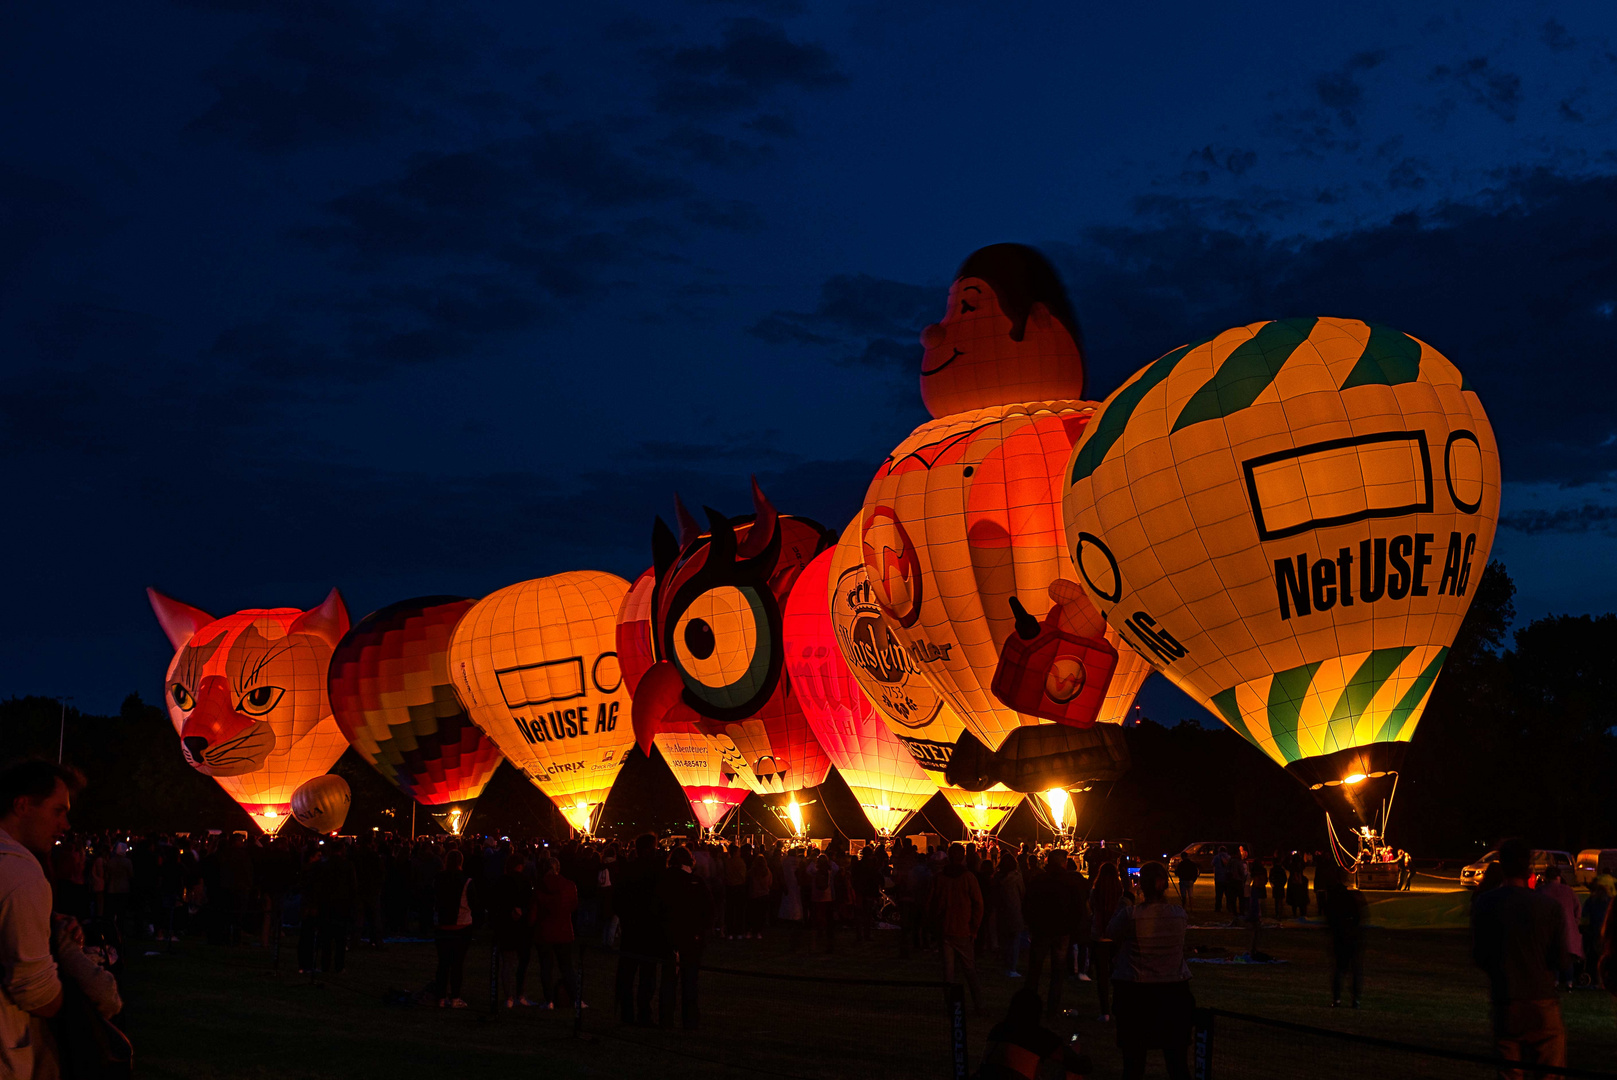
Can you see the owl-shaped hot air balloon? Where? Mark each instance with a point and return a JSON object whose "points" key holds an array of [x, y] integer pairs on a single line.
{"points": [[1289, 518], [536, 666], [718, 654], [962, 540], [708, 768], [879, 770], [247, 695], [392, 697]]}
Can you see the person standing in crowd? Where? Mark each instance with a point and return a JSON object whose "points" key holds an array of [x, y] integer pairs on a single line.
{"points": [[791, 897], [1279, 877], [868, 874], [337, 907], [1238, 882], [1151, 978], [1345, 911], [1519, 939], [368, 880], [555, 900], [1594, 920], [1010, 891], [957, 908], [642, 922], [512, 913], [1022, 1048], [1406, 871], [1257, 888], [735, 894], [36, 951], [1048, 905], [310, 889], [1297, 886], [760, 884], [453, 904], [1187, 872], [1551, 885], [687, 913], [1104, 897], [1221, 878]]}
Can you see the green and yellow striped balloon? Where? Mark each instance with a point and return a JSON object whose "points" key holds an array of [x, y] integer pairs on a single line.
{"points": [[1289, 520]]}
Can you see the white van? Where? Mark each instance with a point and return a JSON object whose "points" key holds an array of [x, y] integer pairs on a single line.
{"points": [[1592, 862]]}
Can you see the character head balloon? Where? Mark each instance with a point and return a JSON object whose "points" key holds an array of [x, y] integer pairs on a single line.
{"points": [[247, 695], [1009, 335], [1288, 519], [717, 642]]}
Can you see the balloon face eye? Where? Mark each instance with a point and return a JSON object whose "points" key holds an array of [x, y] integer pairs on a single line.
{"points": [[722, 645], [260, 700], [182, 698]]}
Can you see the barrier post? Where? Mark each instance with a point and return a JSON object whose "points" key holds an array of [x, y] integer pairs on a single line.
{"points": [[1201, 1066], [954, 996]]}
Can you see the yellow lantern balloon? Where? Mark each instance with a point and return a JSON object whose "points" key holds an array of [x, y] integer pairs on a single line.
{"points": [[961, 537], [321, 804], [1289, 519], [536, 666]]}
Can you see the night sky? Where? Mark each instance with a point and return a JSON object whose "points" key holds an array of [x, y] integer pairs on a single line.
{"points": [[423, 298]]}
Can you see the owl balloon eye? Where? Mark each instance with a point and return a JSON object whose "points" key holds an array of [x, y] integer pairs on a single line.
{"points": [[722, 644]]}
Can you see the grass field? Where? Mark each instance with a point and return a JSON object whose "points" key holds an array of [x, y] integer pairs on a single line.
{"points": [[208, 1012]]}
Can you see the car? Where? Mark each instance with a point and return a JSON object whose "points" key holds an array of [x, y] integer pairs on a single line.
{"points": [[1201, 853], [1543, 859], [1592, 862]]}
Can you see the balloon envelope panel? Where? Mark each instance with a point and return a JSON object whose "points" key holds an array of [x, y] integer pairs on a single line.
{"points": [[879, 770], [536, 666], [1289, 519], [392, 696]]}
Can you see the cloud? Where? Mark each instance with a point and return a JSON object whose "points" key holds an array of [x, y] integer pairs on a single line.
{"points": [[311, 73], [1589, 517], [1330, 121], [1553, 34], [1340, 90], [752, 59], [873, 321], [1497, 90], [1201, 166], [36, 211]]}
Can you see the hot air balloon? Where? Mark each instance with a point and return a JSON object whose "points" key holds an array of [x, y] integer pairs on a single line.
{"points": [[536, 666], [392, 697], [878, 769], [962, 540], [247, 695], [915, 713], [321, 804], [709, 768], [716, 636], [1286, 519]]}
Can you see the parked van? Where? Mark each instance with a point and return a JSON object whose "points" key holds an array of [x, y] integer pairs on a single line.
{"points": [[1592, 862], [1543, 859]]}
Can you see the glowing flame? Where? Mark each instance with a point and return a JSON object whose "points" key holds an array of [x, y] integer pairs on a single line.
{"points": [[1354, 779], [578, 816], [795, 814], [1058, 801]]}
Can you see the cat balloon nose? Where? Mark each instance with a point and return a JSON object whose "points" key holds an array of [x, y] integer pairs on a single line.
{"points": [[196, 746]]}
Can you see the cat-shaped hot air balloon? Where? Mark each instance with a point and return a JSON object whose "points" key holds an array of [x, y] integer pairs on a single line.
{"points": [[247, 695]]}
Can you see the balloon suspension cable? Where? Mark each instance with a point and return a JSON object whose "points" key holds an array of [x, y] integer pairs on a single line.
{"points": [[1339, 849], [935, 830]]}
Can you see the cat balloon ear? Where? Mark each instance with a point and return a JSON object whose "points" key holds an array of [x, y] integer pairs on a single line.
{"points": [[179, 621], [328, 622]]}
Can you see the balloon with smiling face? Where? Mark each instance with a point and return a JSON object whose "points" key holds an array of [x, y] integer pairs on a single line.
{"points": [[247, 696], [962, 542]]}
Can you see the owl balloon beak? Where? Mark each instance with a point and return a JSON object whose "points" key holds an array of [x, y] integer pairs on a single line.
{"points": [[657, 696]]}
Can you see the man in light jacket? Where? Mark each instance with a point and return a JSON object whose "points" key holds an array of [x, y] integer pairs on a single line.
{"points": [[34, 800]]}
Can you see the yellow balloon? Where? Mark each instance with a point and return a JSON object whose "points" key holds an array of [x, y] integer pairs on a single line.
{"points": [[536, 666], [982, 811], [1289, 519]]}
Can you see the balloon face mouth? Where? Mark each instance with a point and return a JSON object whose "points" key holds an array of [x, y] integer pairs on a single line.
{"points": [[236, 756], [925, 371]]}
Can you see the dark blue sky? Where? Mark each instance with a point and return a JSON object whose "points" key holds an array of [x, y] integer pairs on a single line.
{"points": [[423, 298]]}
